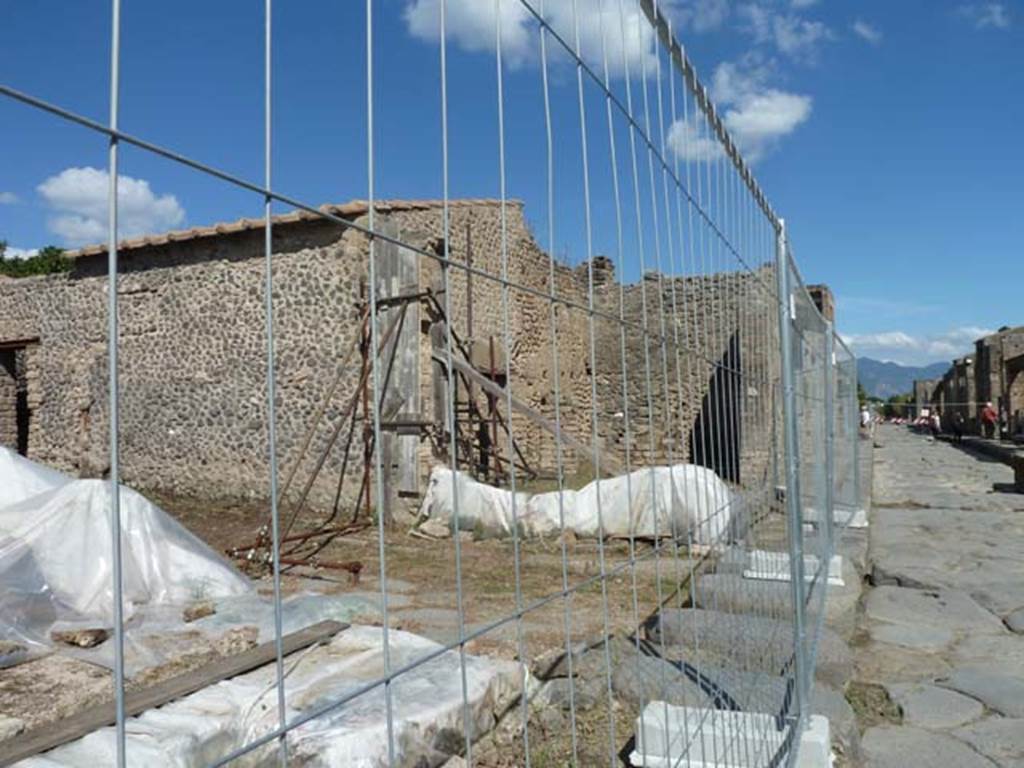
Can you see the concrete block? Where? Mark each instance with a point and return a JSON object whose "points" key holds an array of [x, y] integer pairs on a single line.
{"points": [[775, 566], [667, 735]]}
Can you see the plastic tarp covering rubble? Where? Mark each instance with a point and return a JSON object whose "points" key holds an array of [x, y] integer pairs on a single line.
{"points": [[56, 573], [646, 503], [427, 706], [56, 564]]}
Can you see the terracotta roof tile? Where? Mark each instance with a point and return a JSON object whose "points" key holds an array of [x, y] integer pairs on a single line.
{"points": [[347, 210]]}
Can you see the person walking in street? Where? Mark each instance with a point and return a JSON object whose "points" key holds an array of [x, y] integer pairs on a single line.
{"points": [[935, 423], [989, 419], [958, 427]]}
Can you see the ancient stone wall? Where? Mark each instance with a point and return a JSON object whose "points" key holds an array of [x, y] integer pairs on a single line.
{"points": [[193, 353], [710, 354]]}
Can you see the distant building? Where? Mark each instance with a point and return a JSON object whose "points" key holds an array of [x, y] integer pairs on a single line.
{"points": [[957, 394], [1000, 361], [823, 299], [991, 375], [924, 392]]}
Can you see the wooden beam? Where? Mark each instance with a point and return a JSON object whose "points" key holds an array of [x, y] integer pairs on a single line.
{"points": [[61, 732], [585, 451]]}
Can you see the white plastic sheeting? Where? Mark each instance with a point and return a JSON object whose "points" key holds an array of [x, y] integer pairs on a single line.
{"points": [[56, 569], [66, 533], [649, 502], [21, 478], [427, 711]]}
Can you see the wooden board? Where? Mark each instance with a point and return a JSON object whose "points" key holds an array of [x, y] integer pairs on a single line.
{"points": [[136, 702], [398, 278]]}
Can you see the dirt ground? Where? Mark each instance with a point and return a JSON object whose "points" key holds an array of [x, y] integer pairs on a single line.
{"points": [[422, 582], [423, 590]]}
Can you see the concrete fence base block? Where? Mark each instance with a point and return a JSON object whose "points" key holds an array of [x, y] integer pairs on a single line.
{"points": [[775, 566], [844, 517], [667, 735]]}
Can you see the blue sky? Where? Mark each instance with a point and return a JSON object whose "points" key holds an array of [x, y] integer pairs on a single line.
{"points": [[887, 133]]}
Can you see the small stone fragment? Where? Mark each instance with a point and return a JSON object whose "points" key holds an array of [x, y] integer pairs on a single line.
{"points": [[437, 529], [82, 638], [198, 610]]}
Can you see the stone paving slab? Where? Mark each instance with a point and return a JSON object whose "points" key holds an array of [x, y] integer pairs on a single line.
{"points": [[929, 706], [946, 559], [990, 684], [981, 553], [908, 747], [1000, 738], [946, 609]]}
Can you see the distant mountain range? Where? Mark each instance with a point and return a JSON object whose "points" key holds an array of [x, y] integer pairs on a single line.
{"points": [[888, 379]]}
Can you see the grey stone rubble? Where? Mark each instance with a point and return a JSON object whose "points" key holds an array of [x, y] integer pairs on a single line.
{"points": [[940, 626]]}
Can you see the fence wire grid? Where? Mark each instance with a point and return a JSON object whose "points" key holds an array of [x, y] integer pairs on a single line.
{"points": [[612, 347]]}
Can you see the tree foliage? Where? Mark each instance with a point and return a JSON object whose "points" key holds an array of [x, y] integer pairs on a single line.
{"points": [[47, 261], [898, 406]]}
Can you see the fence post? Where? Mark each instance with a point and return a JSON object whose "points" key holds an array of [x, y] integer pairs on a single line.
{"points": [[830, 432], [794, 516], [857, 501]]}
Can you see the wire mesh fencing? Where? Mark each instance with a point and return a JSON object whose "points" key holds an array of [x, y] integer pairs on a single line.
{"points": [[573, 420]]}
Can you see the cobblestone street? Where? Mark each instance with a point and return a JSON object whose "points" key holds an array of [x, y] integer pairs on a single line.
{"points": [[942, 623]]}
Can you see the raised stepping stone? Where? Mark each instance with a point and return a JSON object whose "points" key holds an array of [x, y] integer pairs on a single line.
{"points": [[1000, 738], [930, 706], [737, 594], [746, 643], [904, 746], [992, 686]]}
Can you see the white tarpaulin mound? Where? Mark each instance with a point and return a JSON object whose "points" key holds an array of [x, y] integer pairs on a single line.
{"points": [[21, 478], [427, 712], [66, 534], [647, 503], [56, 564]]}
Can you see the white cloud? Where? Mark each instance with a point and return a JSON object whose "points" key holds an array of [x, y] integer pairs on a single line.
{"points": [[78, 197], [984, 15], [792, 35], [756, 115], [907, 349], [471, 24], [8, 198], [868, 32], [19, 253], [702, 15], [803, 3]]}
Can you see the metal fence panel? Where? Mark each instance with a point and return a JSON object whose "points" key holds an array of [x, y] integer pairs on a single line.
{"points": [[670, 384]]}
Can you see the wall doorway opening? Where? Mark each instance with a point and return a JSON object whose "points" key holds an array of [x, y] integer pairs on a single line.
{"points": [[15, 413], [716, 437]]}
